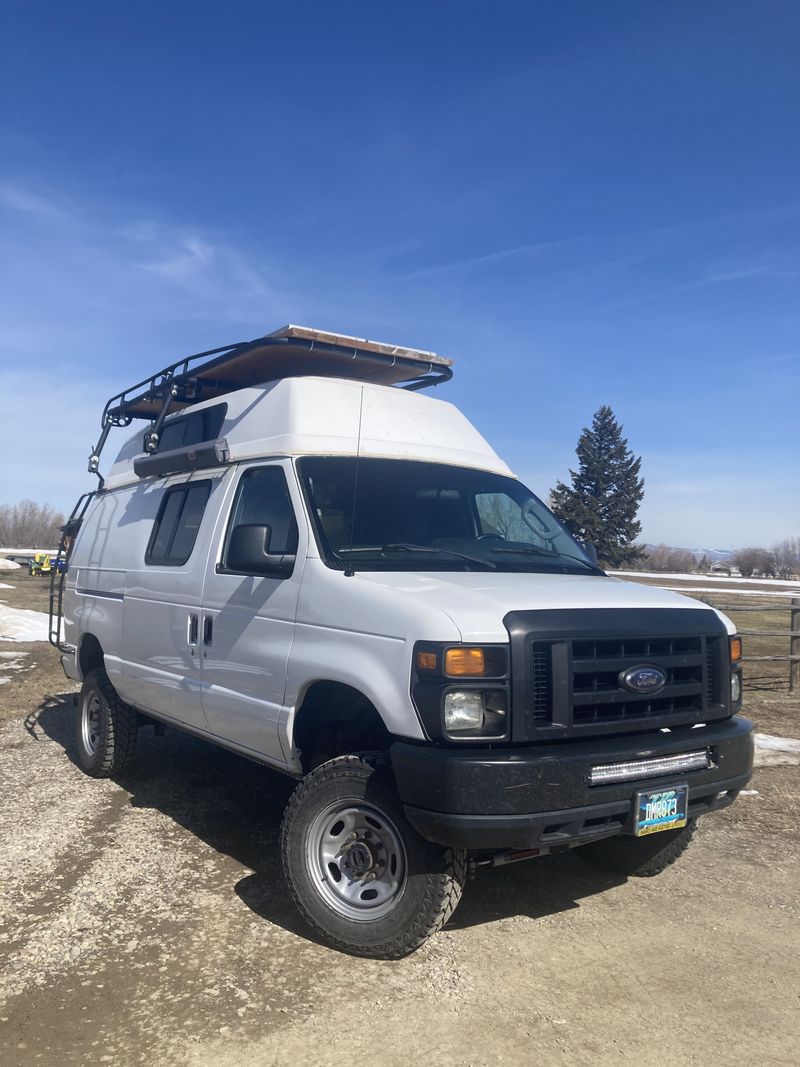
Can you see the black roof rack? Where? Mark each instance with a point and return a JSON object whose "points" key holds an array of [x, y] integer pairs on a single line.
{"points": [[293, 351]]}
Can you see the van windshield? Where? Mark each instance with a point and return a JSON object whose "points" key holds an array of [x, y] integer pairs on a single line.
{"points": [[430, 516]]}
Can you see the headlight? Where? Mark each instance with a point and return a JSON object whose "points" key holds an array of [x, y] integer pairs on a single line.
{"points": [[475, 713], [736, 687], [464, 710]]}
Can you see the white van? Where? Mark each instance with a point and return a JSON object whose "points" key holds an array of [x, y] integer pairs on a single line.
{"points": [[308, 562]]}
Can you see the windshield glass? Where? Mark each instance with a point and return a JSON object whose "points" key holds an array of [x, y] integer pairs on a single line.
{"points": [[430, 516]]}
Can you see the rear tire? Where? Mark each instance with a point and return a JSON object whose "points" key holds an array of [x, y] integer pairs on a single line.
{"points": [[106, 727], [359, 873], [641, 857]]}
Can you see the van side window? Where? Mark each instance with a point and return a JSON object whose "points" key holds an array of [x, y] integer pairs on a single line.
{"points": [[178, 522], [262, 499], [180, 431]]}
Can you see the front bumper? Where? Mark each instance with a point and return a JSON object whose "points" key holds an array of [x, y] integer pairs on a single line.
{"points": [[539, 796]]}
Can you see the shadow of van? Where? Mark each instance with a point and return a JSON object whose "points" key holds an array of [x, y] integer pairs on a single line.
{"points": [[235, 807]]}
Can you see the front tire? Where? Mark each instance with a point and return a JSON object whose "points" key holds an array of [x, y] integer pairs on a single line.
{"points": [[358, 871], [106, 727], [641, 857]]}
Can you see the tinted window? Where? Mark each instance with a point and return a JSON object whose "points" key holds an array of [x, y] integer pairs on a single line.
{"points": [[184, 430], [177, 524], [262, 499]]}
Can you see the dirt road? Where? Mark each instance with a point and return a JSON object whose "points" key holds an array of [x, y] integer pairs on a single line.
{"points": [[145, 920]]}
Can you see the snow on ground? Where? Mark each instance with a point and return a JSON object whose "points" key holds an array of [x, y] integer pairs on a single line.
{"points": [[19, 624], [13, 661], [771, 750], [5, 585], [731, 592], [790, 584], [8, 565]]}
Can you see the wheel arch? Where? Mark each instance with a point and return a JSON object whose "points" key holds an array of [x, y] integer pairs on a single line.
{"points": [[336, 719], [90, 655]]}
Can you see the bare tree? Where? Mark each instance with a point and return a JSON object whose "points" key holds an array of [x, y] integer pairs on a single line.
{"points": [[29, 525], [755, 562], [746, 559], [787, 557], [668, 560]]}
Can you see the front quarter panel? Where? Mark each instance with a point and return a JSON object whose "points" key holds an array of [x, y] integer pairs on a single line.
{"points": [[349, 631]]}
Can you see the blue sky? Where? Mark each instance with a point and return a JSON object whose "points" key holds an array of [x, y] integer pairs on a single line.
{"points": [[581, 202]]}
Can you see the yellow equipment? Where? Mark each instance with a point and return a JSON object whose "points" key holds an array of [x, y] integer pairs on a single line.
{"points": [[41, 564]]}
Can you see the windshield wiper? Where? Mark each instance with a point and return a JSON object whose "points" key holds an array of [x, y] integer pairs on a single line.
{"points": [[531, 550], [403, 546]]}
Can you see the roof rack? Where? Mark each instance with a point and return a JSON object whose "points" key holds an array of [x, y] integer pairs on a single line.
{"points": [[292, 351]]}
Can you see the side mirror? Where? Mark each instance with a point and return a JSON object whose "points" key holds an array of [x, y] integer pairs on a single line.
{"points": [[248, 553], [590, 550]]}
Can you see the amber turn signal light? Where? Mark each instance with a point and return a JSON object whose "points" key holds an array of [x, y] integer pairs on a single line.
{"points": [[465, 662], [736, 649], [426, 661]]}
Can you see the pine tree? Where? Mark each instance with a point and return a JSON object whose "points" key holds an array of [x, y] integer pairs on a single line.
{"points": [[601, 505]]}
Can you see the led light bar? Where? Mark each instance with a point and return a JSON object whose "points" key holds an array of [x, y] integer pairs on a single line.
{"points": [[607, 773]]}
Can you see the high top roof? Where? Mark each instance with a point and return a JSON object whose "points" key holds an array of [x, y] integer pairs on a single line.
{"points": [[328, 416]]}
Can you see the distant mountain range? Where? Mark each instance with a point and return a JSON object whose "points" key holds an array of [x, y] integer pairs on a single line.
{"points": [[714, 555]]}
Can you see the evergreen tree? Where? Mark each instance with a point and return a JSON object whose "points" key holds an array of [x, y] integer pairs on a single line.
{"points": [[602, 503]]}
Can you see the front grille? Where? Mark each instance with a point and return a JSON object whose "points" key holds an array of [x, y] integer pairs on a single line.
{"points": [[575, 684], [541, 684]]}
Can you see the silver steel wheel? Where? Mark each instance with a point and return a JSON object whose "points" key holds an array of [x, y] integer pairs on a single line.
{"points": [[90, 722], [356, 860]]}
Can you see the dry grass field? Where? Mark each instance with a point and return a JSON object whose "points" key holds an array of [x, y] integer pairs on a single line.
{"points": [[145, 920]]}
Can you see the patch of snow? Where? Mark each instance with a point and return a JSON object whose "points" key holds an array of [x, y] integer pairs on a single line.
{"points": [[8, 565], [772, 750], [789, 583], [5, 585], [730, 592], [13, 661], [19, 624]]}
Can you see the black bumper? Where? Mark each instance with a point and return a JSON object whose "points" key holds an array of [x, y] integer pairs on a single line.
{"points": [[540, 796]]}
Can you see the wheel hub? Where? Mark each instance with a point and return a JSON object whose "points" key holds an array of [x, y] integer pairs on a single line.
{"points": [[357, 859]]}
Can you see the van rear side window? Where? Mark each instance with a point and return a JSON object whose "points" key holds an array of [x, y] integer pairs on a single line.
{"points": [[178, 522]]}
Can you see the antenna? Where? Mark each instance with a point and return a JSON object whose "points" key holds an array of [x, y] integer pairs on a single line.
{"points": [[349, 572]]}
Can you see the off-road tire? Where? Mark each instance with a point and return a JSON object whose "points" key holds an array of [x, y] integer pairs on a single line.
{"points": [[641, 857], [106, 727], [434, 876]]}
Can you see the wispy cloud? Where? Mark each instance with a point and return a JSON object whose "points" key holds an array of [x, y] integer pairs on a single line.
{"points": [[173, 271], [532, 249], [194, 255], [14, 197], [712, 281]]}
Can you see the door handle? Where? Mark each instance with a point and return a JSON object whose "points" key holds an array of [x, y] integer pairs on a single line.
{"points": [[193, 625], [208, 629]]}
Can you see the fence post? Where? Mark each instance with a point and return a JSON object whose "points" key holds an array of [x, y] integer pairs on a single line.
{"points": [[794, 644]]}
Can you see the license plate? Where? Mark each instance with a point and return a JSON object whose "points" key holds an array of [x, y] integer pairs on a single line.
{"points": [[661, 809]]}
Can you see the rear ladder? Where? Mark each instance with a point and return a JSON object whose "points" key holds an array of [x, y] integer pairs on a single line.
{"points": [[58, 572]]}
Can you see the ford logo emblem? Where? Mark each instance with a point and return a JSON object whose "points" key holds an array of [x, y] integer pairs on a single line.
{"points": [[643, 679]]}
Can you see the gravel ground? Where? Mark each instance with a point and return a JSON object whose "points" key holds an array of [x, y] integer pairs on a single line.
{"points": [[145, 920]]}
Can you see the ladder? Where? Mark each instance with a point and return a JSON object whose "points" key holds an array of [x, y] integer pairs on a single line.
{"points": [[58, 572]]}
